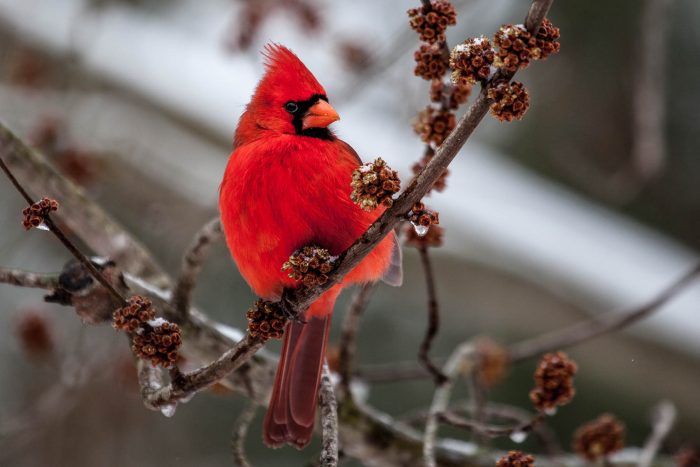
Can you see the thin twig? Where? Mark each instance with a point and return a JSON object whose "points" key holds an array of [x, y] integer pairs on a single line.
{"points": [[608, 323], [28, 279], [192, 265], [348, 335], [87, 219], [99, 277], [456, 363], [664, 416], [433, 319], [240, 431], [188, 384], [489, 431], [329, 419]]}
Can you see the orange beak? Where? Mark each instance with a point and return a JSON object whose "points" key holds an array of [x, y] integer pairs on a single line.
{"points": [[319, 115]]}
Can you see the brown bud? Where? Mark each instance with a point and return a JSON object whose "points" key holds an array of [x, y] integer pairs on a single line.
{"points": [[374, 184], [430, 23], [266, 321], [471, 61], [493, 361], [599, 438], [511, 100], [516, 47], [554, 382], [546, 41], [431, 62], [434, 125], [516, 459], [34, 334], [34, 215]]}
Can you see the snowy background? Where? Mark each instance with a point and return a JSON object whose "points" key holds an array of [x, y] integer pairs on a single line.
{"points": [[540, 230]]}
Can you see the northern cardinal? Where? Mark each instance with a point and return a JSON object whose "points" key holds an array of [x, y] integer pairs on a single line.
{"points": [[286, 186]]}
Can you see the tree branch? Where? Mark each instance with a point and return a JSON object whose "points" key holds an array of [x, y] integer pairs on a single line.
{"points": [[240, 432], [608, 323], [433, 319], [490, 431], [348, 335], [300, 299], [192, 265], [58, 233], [28, 279], [329, 420], [663, 417], [185, 385], [456, 363], [97, 229]]}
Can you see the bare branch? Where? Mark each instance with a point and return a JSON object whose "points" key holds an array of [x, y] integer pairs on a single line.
{"points": [[608, 323], [240, 432], [456, 363], [348, 335], [329, 420], [433, 318], [192, 265], [664, 416], [28, 279], [97, 229], [490, 431], [185, 385], [56, 230], [300, 299]]}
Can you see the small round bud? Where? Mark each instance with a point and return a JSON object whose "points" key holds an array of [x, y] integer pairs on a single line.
{"points": [[431, 62], [599, 438], [434, 125], [430, 23], [511, 100], [471, 61], [374, 184]]}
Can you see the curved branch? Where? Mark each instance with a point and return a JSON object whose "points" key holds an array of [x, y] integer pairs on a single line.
{"points": [[608, 323], [192, 265]]}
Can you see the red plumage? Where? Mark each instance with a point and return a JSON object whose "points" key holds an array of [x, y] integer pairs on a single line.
{"points": [[287, 185]]}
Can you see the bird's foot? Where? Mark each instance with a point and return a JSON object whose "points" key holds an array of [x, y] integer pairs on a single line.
{"points": [[288, 309]]}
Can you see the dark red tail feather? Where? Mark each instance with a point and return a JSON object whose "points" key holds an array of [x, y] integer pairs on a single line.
{"points": [[292, 411]]}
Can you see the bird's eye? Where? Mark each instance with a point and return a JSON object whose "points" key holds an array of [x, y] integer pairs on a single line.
{"points": [[291, 107]]}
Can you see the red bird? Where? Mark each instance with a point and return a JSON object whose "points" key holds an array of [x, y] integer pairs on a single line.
{"points": [[286, 186]]}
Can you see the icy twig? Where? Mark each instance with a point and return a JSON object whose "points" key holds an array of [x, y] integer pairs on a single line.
{"points": [[186, 384], [608, 323], [192, 262], [458, 361], [663, 417], [348, 335], [433, 319], [28, 279], [329, 420], [240, 431]]}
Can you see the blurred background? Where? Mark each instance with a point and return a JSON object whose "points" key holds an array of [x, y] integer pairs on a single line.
{"points": [[589, 205]]}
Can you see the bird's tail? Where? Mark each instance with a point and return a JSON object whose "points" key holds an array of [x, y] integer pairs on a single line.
{"points": [[292, 411]]}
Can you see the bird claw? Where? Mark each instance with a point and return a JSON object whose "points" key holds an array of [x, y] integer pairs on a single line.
{"points": [[289, 312]]}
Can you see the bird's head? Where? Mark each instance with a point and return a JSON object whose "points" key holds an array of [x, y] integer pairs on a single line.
{"points": [[289, 99]]}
